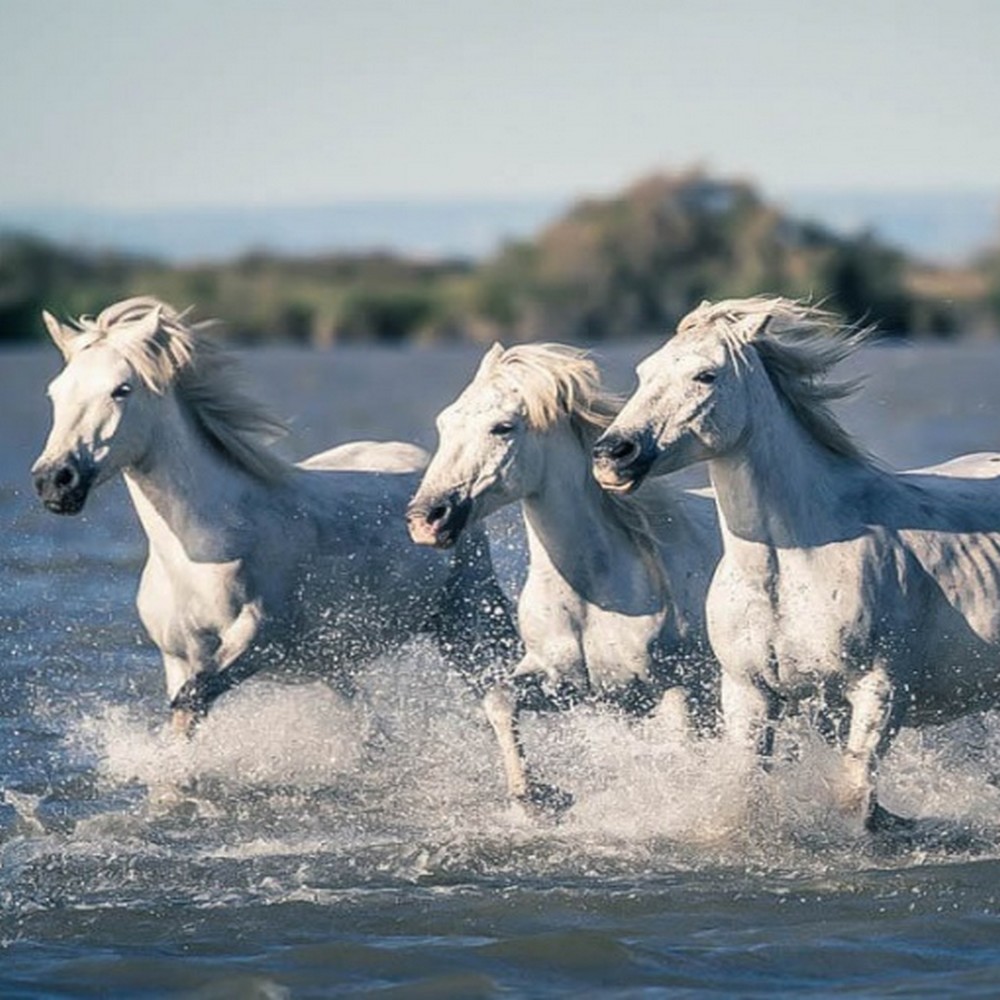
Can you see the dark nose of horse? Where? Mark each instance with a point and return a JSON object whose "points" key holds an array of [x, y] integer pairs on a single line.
{"points": [[62, 486], [56, 478], [66, 477], [425, 523], [620, 461], [438, 514], [617, 449]]}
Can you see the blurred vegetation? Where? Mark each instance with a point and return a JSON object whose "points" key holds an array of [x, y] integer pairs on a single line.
{"points": [[988, 267], [609, 269]]}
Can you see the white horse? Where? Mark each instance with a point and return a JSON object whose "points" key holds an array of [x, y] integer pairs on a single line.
{"points": [[613, 604], [253, 562], [875, 593]]}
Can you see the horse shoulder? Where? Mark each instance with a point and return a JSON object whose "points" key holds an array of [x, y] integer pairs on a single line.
{"points": [[800, 609], [156, 602], [739, 613], [550, 619], [189, 611]]}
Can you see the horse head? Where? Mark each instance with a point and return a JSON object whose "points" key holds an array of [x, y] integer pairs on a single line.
{"points": [[481, 463], [694, 402], [689, 406], [102, 413]]}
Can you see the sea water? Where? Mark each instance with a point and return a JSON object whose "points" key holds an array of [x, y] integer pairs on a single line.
{"points": [[304, 846]]}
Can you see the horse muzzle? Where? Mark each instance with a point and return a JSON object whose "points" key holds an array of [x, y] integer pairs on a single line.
{"points": [[621, 461], [63, 486], [438, 524]]}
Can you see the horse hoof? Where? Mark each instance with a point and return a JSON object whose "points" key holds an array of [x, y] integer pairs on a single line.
{"points": [[545, 801], [183, 722], [880, 820]]}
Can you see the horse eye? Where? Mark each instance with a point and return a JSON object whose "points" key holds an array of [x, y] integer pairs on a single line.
{"points": [[706, 377], [502, 429], [121, 391]]}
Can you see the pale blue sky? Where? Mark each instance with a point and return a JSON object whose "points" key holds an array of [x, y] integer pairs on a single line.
{"points": [[128, 103]]}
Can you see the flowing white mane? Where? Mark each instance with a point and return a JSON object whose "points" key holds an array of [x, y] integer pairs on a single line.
{"points": [[554, 381], [798, 345], [179, 355]]}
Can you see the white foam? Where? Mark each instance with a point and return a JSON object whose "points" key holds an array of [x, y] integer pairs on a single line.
{"points": [[408, 779], [265, 733]]}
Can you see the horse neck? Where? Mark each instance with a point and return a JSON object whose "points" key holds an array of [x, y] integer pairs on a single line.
{"points": [[568, 521], [781, 487], [185, 491]]}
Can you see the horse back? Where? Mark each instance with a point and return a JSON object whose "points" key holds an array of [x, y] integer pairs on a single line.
{"points": [[370, 456]]}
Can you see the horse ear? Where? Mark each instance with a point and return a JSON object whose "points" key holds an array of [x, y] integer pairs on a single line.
{"points": [[149, 324], [759, 328], [142, 329], [62, 336], [490, 358]]}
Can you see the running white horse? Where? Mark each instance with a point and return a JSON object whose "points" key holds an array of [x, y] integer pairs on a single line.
{"points": [[876, 593], [613, 604], [253, 562]]}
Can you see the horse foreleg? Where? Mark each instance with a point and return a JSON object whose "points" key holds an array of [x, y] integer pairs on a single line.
{"points": [[748, 716], [871, 701], [500, 706], [209, 668], [673, 716], [191, 703], [183, 721], [237, 637], [179, 672]]}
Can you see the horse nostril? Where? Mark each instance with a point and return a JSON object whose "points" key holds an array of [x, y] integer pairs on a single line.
{"points": [[622, 449], [64, 477], [438, 513]]}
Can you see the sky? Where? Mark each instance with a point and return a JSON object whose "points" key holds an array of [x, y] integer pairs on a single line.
{"points": [[183, 103]]}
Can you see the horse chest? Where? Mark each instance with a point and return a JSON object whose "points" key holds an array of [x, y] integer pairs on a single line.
{"points": [[570, 637], [178, 602], [791, 617], [616, 648]]}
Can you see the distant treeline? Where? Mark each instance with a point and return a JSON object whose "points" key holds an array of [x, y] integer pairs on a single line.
{"points": [[609, 269]]}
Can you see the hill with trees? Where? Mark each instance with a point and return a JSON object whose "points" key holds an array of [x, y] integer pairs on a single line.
{"points": [[608, 269]]}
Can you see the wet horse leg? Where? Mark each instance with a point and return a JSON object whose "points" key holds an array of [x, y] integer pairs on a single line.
{"points": [[500, 706], [749, 712], [871, 701]]}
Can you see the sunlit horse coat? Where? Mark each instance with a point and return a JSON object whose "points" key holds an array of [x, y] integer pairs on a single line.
{"points": [[876, 592], [613, 604], [253, 562]]}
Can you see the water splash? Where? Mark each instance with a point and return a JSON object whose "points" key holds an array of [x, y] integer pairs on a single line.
{"points": [[291, 792]]}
